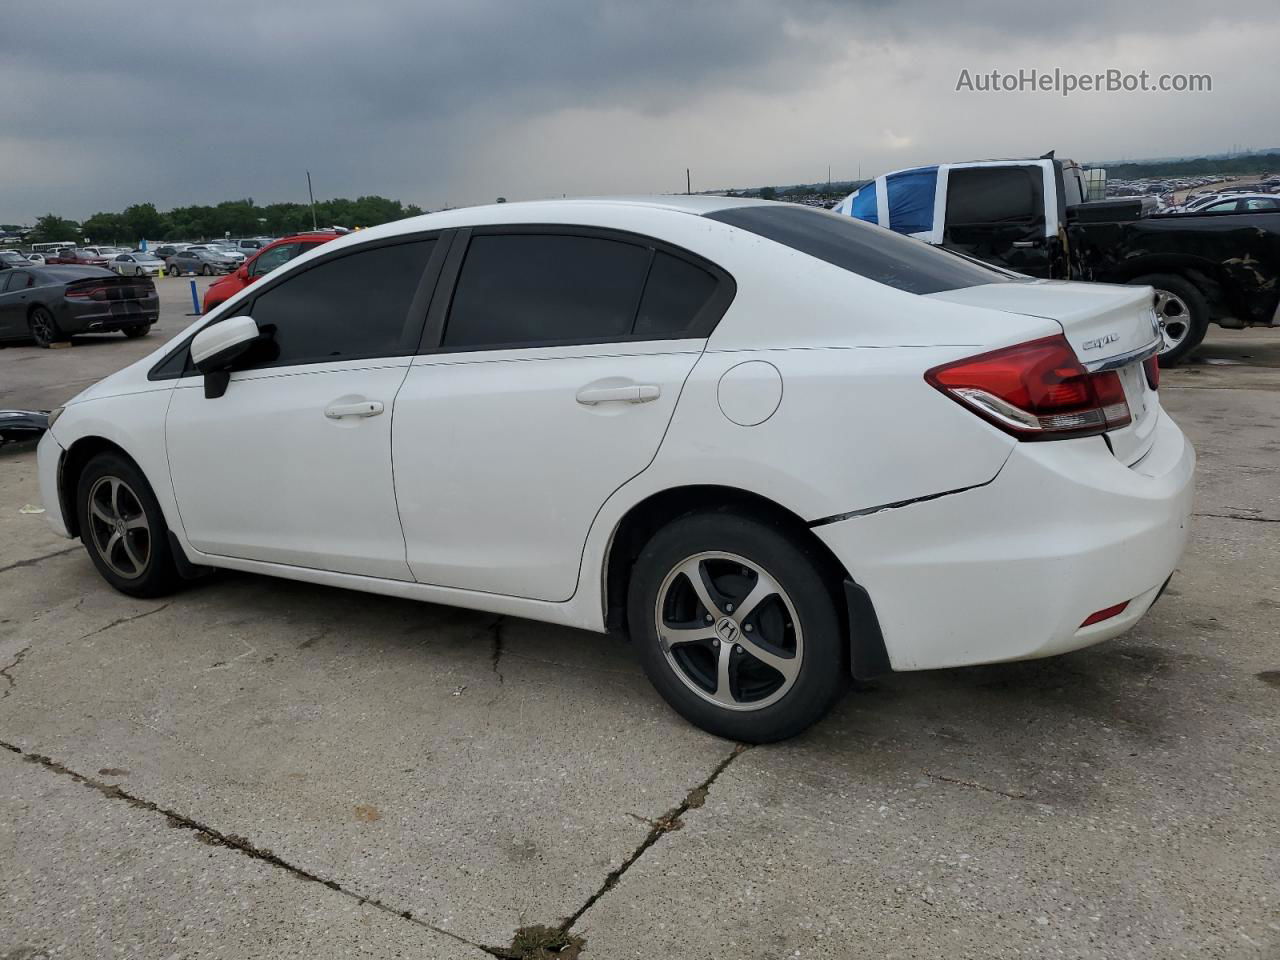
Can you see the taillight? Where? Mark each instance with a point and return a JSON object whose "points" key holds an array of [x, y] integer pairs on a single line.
{"points": [[1036, 391], [86, 293], [1152, 367]]}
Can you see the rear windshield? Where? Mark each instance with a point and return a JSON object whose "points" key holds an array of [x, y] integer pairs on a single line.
{"points": [[869, 251]]}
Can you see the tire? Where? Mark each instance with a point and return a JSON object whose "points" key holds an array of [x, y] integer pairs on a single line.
{"points": [[43, 327], [133, 333], [796, 619], [206, 271], [137, 272], [174, 272], [1183, 313], [124, 529]]}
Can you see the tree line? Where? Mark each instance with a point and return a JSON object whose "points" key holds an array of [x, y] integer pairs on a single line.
{"points": [[239, 218]]}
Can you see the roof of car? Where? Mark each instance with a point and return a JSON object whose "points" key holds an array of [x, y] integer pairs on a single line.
{"points": [[67, 271]]}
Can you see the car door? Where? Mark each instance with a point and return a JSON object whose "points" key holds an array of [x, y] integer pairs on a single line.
{"points": [[552, 369], [292, 465], [270, 259], [15, 286], [997, 214]]}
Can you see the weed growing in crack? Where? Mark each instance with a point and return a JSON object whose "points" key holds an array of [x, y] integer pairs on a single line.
{"points": [[540, 942]]}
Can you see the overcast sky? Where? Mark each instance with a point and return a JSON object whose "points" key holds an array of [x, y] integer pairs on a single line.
{"points": [[440, 102]]}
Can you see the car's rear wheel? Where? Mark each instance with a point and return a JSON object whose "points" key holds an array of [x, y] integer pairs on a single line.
{"points": [[1182, 312], [736, 626], [123, 528], [43, 327], [139, 331]]}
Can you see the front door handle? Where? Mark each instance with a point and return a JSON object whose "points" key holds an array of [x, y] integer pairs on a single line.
{"points": [[1026, 243], [358, 408], [630, 393]]}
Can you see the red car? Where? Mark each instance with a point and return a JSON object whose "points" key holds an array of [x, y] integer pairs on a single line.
{"points": [[74, 256], [274, 254]]}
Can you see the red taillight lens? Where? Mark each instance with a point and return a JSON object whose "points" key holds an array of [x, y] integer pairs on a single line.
{"points": [[86, 293], [1106, 613], [1152, 367], [1036, 390]]}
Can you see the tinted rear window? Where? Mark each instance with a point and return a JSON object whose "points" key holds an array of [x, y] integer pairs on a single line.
{"points": [[673, 297], [872, 252], [523, 289]]}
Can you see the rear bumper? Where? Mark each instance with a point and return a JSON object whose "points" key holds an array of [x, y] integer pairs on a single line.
{"points": [[100, 316], [1010, 570]]}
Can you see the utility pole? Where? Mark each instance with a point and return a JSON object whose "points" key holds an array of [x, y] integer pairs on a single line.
{"points": [[688, 183], [314, 226]]}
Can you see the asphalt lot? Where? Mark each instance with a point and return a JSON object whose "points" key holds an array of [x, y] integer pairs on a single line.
{"points": [[258, 768]]}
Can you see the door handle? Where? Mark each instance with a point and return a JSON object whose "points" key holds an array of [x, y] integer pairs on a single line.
{"points": [[1025, 243], [631, 393], [360, 408]]}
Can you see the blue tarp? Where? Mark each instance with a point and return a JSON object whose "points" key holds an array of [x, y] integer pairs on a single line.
{"points": [[863, 205], [911, 195]]}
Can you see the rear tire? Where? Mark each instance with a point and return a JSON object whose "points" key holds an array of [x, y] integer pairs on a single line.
{"points": [[123, 528], [757, 678], [1183, 313], [133, 333], [43, 327]]}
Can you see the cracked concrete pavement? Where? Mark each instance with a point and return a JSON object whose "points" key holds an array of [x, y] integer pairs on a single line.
{"points": [[263, 768]]}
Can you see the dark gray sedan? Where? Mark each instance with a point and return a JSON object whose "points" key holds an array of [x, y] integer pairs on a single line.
{"points": [[204, 262], [49, 304]]}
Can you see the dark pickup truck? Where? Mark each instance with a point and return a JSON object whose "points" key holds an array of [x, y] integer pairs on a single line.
{"points": [[1031, 216]]}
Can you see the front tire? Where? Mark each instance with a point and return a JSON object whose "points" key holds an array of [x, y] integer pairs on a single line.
{"points": [[1183, 313], [43, 327], [123, 528], [206, 271], [735, 624]]}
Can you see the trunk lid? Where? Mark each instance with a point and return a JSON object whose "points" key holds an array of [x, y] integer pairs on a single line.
{"points": [[1109, 326]]}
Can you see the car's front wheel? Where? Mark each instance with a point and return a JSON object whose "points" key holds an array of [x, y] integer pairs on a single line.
{"points": [[736, 625], [123, 528]]}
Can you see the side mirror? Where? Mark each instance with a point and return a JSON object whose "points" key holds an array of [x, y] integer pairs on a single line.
{"points": [[243, 271], [216, 347]]}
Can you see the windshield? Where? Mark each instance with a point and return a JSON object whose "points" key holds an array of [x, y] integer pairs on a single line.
{"points": [[869, 251]]}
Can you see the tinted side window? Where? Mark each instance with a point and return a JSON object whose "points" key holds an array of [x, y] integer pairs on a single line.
{"points": [[872, 252], [995, 195], [522, 289], [268, 260], [673, 296], [354, 306]]}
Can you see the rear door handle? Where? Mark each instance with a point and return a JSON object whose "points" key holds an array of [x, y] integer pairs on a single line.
{"points": [[359, 408], [631, 393], [1026, 243]]}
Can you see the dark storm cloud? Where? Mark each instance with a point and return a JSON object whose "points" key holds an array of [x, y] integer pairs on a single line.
{"points": [[209, 101]]}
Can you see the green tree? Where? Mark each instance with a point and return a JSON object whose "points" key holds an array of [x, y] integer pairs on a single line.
{"points": [[51, 228], [103, 228], [142, 221], [768, 193]]}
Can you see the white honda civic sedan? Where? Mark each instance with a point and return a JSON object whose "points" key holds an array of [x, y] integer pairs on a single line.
{"points": [[776, 446]]}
